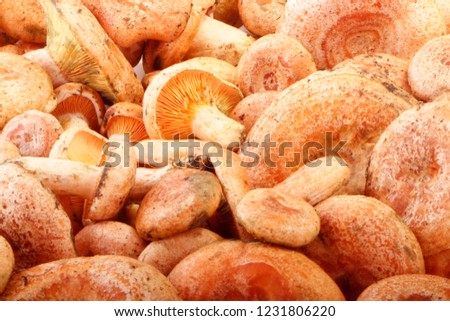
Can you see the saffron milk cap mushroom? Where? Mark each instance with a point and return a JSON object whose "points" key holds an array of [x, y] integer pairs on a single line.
{"points": [[6, 263], [23, 86], [261, 17]]}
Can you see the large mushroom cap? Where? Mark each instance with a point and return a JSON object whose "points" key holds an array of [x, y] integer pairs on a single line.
{"points": [[84, 52], [23, 86]]}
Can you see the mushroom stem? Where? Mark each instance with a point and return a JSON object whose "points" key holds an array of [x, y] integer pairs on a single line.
{"points": [[217, 39], [210, 124], [42, 58], [63, 177], [73, 121]]}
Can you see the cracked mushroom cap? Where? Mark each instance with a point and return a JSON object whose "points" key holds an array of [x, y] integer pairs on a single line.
{"points": [[84, 52], [23, 86], [23, 20], [75, 100], [128, 22]]}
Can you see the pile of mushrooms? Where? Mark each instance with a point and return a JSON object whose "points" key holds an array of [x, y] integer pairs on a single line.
{"points": [[224, 150]]}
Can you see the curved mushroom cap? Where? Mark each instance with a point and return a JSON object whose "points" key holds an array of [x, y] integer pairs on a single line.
{"points": [[273, 62], [174, 98], [6, 263], [408, 287], [337, 115], [23, 86], [361, 241], [234, 270], [102, 277], [33, 132], [124, 118], [278, 218], [335, 30], [227, 11], [261, 17], [23, 20], [85, 54], [410, 171], [129, 22], [183, 199], [165, 254], [78, 100], [32, 219], [109, 238], [429, 69]]}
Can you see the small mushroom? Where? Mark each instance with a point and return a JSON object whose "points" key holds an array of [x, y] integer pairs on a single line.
{"points": [[178, 104], [261, 17], [105, 188], [273, 216], [165, 254], [23, 86], [130, 22], [124, 118], [273, 62], [23, 20], [248, 110], [429, 69], [78, 105], [79, 50], [6, 263], [109, 238], [33, 132], [31, 219], [183, 199]]}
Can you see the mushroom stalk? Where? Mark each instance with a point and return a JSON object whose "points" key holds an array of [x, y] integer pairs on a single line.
{"points": [[210, 124]]}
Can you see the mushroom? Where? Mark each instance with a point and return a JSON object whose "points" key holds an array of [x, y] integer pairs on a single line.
{"points": [[273, 62], [109, 238], [261, 17], [12, 49], [272, 216], [248, 110], [33, 132], [105, 188], [31, 219], [183, 199], [362, 241], [23, 20], [23, 86], [97, 278], [6, 263], [429, 69], [180, 103], [124, 118], [333, 31], [408, 287], [79, 50], [337, 114], [203, 36], [234, 270], [130, 22], [165, 254], [79, 106]]}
